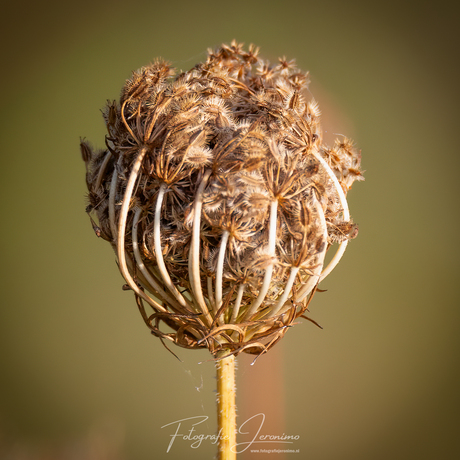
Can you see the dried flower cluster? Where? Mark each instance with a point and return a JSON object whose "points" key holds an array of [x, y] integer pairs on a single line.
{"points": [[219, 198]]}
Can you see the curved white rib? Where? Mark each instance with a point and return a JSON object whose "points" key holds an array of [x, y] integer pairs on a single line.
{"points": [[220, 269], [313, 279], [140, 263], [122, 230], [346, 213], [159, 253], [194, 255], [271, 251]]}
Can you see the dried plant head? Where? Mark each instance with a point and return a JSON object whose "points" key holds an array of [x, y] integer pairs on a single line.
{"points": [[219, 198]]}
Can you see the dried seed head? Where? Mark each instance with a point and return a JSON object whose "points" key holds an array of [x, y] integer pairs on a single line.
{"points": [[219, 198]]}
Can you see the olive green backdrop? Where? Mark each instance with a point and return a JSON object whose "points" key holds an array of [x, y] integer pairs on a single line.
{"points": [[82, 378]]}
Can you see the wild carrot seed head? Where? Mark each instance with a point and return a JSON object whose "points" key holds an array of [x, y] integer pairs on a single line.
{"points": [[219, 197]]}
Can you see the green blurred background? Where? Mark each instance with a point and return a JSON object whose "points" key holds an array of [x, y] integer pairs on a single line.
{"points": [[82, 378]]}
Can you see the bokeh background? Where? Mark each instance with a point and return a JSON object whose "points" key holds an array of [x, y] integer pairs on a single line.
{"points": [[82, 378]]}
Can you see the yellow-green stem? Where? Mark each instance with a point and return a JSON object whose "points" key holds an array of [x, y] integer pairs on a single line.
{"points": [[226, 409]]}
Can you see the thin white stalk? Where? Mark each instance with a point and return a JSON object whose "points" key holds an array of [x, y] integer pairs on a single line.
{"points": [[194, 254], [335, 260], [113, 190], [314, 279], [333, 177], [271, 251], [287, 291], [237, 304], [122, 231], [140, 264], [159, 252], [220, 269], [346, 214]]}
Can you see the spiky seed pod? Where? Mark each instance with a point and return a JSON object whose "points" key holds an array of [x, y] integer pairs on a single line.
{"points": [[219, 198]]}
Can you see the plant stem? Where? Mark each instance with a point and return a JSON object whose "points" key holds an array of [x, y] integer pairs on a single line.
{"points": [[226, 410]]}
